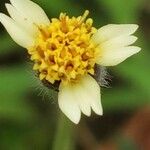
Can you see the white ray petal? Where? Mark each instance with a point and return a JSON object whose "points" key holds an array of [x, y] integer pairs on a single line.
{"points": [[68, 104], [112, 57], [83, 103], [16, 32], [31, 10], [88, 95], [93, 94], [21, 20], [110, 31], [118, 42], [81, 96]]}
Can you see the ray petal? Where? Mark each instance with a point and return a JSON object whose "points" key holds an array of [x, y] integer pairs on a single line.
{"points": [[19, 35], [31, 10]]}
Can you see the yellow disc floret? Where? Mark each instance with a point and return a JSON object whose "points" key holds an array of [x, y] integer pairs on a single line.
{"points": [[63, 50]]}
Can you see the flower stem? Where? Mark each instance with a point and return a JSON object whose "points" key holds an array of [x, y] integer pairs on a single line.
{"points": [[63, 139]]}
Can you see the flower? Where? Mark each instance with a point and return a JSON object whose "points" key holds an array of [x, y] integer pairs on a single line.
{"points": [[66, 50]]}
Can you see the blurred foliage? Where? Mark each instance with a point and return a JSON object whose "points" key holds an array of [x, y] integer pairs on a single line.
{"points": [[27, 122]]}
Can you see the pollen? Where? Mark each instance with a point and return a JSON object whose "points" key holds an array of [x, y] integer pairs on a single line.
{"points": [[63, 50]]}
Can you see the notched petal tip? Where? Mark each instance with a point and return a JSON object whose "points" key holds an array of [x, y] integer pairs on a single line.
{"points": [[74, 118], [1, 16], [76, 121], [68, 103], [118, 55], [111, 31], [82, 96], [99, 111], [22, 20], [114, 41], [137, 49], [31, 10], [16, 32], [4, 18], [92, 94], [7, 5], [134, 39], [133, 27], [9, 8]]}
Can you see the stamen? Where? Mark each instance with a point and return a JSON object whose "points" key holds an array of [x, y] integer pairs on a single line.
{"points": [[64, 23], [44, 33], [83, 18]]}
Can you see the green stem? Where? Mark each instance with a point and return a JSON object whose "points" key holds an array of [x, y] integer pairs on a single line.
{"points": [[63, 139]]}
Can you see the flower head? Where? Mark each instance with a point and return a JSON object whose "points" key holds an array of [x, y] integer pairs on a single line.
{"points": [[66, 50], [63, 50]]}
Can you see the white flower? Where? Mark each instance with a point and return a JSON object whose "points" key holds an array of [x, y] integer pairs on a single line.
{"points": [[66, 50]]}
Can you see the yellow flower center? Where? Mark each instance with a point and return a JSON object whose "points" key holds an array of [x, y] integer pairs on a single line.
{"points": [[63, 51]]}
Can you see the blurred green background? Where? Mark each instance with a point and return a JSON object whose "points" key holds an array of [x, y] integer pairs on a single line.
{"points": [[31, 120]]}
